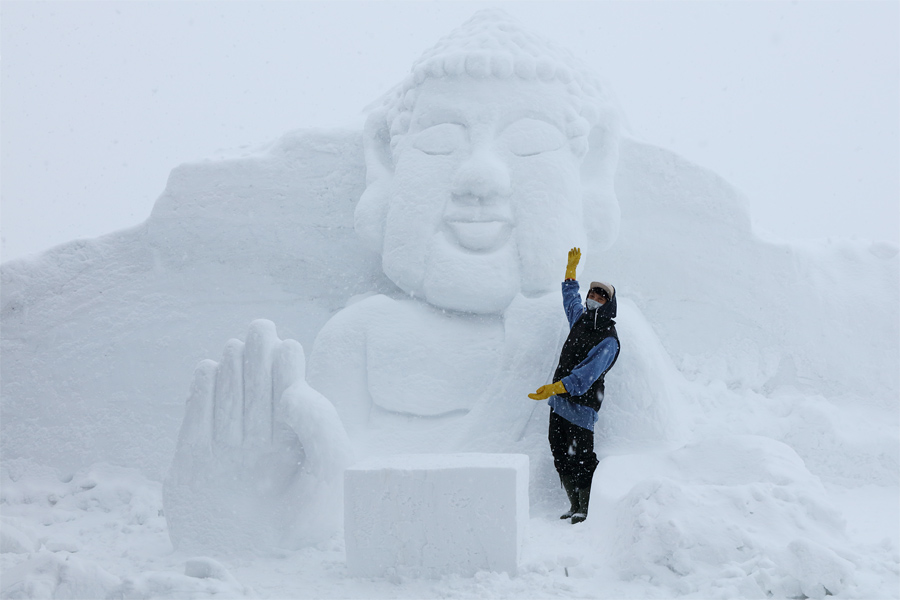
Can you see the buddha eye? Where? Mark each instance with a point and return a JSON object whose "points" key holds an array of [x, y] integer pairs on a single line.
{"points": [[528, 137], [440, 139]]}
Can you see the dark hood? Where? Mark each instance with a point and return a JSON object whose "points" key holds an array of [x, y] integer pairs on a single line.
{"points": [[605, 315]]}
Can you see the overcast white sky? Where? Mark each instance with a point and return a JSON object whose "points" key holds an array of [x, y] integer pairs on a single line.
{"points": [[796, 104]]}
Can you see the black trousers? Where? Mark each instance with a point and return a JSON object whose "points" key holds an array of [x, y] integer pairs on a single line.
{"points": [[573, 451]]}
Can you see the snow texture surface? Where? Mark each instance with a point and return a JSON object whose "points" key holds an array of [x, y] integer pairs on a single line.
{"points": [[432, 515]]}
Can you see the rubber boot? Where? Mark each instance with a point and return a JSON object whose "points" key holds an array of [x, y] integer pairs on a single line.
{"points": [[584, 499], [569, 485]]}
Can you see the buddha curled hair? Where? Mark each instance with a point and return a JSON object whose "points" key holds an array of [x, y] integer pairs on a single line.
{"points": [[492, 45]]}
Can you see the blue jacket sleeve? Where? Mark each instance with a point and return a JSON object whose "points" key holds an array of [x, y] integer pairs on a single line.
{"points": [[586, 373], [572, 301]]}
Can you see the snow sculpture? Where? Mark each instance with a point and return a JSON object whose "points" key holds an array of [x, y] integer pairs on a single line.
{"points": [[484, 166], [493, 158], [251, 422], [431, 515]]}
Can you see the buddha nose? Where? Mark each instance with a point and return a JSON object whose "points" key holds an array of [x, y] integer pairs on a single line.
{"points": [[481, 178]]}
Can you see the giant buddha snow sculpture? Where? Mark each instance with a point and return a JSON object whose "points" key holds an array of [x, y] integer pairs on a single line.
{"points": [[493, 158], [99, 337], [495, 153], [484, 166]]}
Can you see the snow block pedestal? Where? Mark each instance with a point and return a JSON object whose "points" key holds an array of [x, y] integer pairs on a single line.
{"points": [[428, 515]]}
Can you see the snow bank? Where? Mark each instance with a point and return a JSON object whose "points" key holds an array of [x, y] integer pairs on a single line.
{"points": [[98, 533], [17, 537], [729, 306], [743, 503], [66, 577], [644, 404], [50, 576]]}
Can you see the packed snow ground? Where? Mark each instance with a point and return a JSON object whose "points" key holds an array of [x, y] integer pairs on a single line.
{"points": [[102, 533]]}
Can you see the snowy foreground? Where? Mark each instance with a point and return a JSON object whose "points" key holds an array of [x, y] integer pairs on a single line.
{"points": [[102, 533], [783, 494]]}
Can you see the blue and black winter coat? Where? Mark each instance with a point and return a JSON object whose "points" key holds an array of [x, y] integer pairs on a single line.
{"points": [[590, 351]]}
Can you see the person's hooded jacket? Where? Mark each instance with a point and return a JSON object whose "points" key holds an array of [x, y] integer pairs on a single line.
{"points": [[590, 351]]}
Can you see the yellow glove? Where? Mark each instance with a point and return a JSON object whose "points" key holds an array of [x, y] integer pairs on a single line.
{"points": [[545, 391], [574, 257]]}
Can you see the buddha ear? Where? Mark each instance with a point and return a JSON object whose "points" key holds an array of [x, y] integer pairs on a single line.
{"points": [[602, 214], [371, 210]]}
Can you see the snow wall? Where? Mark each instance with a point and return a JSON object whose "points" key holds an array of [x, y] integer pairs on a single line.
{"points": [[100, 337]]}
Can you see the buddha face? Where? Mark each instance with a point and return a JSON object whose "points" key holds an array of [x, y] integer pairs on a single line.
{"points": [[485, 194]]}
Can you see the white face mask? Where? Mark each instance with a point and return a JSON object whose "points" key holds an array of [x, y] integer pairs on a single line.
{"points": [[592, 304]]}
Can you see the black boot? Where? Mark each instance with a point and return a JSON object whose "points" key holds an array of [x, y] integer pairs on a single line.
{"points": [[584, 499], [572, 493]]}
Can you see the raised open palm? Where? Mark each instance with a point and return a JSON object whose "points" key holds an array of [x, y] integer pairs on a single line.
{"points": [[260, 455]]}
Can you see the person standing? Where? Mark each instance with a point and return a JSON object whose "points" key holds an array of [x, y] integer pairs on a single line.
{"points": [[590, 351]]}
